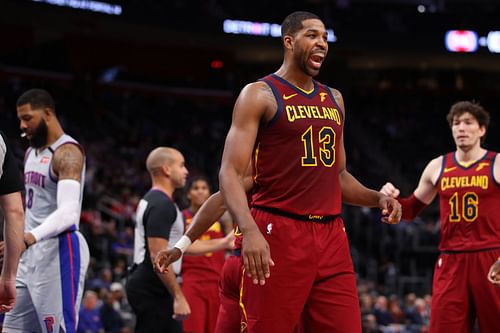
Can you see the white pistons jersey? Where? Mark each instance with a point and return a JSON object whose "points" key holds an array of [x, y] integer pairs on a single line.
{"points": [[51, 273], [41, 183]]}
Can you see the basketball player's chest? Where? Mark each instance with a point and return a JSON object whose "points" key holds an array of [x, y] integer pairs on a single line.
{"points": [[37, 172]]}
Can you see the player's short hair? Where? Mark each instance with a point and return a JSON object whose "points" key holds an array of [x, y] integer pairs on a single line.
{"points": [[475, 109], [38, 99], [293, 22]]}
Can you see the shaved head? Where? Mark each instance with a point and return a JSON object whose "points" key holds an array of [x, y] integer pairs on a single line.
{"points": [[161, 156], [166, 164]]}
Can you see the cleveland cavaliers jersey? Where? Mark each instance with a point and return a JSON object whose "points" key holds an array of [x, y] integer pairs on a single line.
{"points": [[295, 155], [41, 183], [206, 267], [469, 205]]}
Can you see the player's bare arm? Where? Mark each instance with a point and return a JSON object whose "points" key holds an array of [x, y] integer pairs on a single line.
{"points": [[211, 210], [426, 191], [13, 231], [12, 208], [423, 194], [68, 162], [67, 165], [254, 106], [496, 169], [353, 192], [181, 306]]}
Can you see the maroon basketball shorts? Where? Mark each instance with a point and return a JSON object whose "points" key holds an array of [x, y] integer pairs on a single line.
{"points": [[312, 280], [461, 292]]}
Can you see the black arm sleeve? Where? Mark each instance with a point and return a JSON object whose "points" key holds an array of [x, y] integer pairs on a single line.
{"points": [[160, 217], [10, 181]]}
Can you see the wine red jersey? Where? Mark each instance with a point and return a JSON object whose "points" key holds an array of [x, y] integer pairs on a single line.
{"points": [[469, 205], [295, 155], [208, 266]]}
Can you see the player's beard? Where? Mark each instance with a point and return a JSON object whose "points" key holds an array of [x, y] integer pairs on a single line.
{"points": [[39, 136], [303, 59]]}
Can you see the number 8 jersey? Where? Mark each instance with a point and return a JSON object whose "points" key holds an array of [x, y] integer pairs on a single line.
{"points": [[295, 154], [469, 204]]}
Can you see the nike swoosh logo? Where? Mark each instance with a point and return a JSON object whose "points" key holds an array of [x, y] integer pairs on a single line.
{"points": [[285, 97], [449, 169]]}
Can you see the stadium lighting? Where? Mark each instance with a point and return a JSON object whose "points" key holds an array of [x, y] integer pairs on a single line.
{"points": [[88, 5]]}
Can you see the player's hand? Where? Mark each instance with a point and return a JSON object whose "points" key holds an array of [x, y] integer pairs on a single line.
{"points": [[229, 241], [256, 257], [494, 273], [391, 210], [181, 308], [7, 295], [164, 258], [390, 190]]}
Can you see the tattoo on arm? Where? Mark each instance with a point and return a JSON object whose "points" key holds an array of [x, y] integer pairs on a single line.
{"points": [[338, 98], [68, 162]]}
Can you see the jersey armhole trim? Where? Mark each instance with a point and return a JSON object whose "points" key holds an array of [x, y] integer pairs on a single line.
{"points": [[492, 170], [279, 102], [329, 91]]}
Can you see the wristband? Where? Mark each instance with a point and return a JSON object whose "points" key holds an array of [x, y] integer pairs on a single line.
{"points": [[183, 243]]}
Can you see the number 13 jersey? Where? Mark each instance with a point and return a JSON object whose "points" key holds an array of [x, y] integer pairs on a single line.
{"points": [[295, 155]]}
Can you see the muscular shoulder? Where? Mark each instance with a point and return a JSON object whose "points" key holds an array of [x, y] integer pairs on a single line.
{"points": [[257, 98], [337, 95], [433, 169], [68, 162], [496, 168]]}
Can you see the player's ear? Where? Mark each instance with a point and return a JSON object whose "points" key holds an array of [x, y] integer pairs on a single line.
{"points": [[48, 113], [288, 42], [483, 130], [165, 169]]}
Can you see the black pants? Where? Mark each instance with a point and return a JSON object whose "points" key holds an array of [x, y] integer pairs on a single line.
{"points": [[153, 307]]}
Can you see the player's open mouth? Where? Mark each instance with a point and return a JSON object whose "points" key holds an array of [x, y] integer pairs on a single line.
{"points": [[316, 60]]}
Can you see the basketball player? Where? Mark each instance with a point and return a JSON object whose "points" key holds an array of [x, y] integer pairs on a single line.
{"points": [[200, 274], [52, 270], [157, 299], [292, 127], [12, 207], [467, 181]]}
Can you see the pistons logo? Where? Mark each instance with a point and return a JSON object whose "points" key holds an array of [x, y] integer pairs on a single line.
{"points": [[49, 323]]}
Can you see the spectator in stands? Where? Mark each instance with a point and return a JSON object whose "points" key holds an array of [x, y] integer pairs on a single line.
{"points": [[90, 316]]}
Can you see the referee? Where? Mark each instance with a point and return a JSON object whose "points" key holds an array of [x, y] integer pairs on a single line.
{"points": [[157, 299], [12, 207]]}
